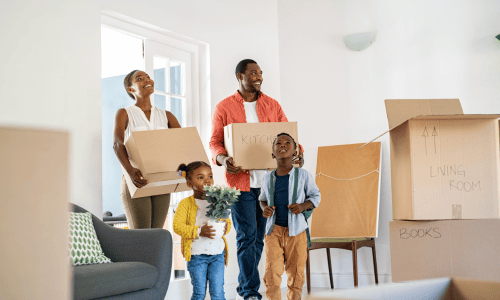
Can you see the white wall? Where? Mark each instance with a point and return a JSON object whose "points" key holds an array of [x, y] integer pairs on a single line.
{"points": [[50, 78], [423, 49]]}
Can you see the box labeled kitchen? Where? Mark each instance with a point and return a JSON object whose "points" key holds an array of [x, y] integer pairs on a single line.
{"points": [[250, 144]]}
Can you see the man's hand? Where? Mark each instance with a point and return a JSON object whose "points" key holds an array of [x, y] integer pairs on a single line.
{"points": [[268, 211], [136, 176], [229, 164], [299, 159], [207, 231]]}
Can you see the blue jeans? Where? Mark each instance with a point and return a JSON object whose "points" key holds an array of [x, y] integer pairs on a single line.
{"points": [[203, 268], [250, 226]]}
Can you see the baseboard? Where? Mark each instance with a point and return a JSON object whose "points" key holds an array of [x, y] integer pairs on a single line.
{"points": [[346, 281]]}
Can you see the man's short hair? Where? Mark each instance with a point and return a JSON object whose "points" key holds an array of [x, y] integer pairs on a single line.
{"points": [[242, 66]]}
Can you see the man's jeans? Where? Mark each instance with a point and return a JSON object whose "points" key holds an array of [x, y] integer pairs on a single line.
{"points": [[250, 226], [207, 267]]}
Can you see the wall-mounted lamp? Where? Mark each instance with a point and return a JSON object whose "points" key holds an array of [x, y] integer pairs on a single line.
{"points": [[359, 41]]}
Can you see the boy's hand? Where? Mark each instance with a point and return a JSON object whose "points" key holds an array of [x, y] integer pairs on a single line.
{"points": [[207, 231], [268, 212], [296, 208]]}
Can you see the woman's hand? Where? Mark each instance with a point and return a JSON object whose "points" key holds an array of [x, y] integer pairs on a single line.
{"points": [[299, 159], [137, 178], [207, 231]]}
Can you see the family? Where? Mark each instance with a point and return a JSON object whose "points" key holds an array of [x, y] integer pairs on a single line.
{"points": [[270, 211]]}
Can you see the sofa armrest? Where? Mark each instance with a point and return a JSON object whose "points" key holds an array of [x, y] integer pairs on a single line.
{"points": [[151, 246]]}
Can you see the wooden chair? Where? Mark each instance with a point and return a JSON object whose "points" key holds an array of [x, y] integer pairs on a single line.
{"points": [[352, 244]]}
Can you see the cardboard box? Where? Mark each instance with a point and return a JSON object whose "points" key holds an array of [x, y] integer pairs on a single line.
{"points": [[349, 181], [444, 164], [158, 154], [437, 289], [250, 144], [447, 248], [34, 180]]}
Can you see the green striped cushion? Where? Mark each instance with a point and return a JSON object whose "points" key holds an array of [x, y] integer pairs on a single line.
{"points": [[85, 248]]}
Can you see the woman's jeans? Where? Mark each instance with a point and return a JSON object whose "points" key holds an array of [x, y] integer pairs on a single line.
{"points": [[250, 226], [203, 268]]}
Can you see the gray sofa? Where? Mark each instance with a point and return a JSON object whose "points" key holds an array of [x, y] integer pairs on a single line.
{"points": [[142, 263]]}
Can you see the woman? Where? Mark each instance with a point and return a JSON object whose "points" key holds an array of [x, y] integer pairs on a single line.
{"points": [[145, 212]]}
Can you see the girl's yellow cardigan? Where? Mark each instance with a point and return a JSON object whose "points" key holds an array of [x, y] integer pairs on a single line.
{"points": [[184, 220]]}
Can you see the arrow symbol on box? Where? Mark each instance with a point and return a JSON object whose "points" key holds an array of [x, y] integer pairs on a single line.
{"points": [[434, 134], [425, 135]]}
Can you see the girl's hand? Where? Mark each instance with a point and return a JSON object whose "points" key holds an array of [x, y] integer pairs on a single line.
{"points": [[225, 228], [296, 208], [268, 212], [136, 176], [207, 231]]}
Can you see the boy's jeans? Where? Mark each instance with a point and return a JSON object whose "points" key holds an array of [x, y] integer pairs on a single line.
{"points": [[250, 226], [207, 267], [284, 252]]}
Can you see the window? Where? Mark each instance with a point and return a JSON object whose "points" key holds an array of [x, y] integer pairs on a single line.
{"points": [[125, 48]]}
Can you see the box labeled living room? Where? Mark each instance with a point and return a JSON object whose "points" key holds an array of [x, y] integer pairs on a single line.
{"points": [[444, 164]]}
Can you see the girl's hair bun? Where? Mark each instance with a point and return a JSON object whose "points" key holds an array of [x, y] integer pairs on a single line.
{"points": [[182, 167]]}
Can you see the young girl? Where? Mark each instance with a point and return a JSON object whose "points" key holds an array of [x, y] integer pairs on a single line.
{"points": [[291, 191], [206, 255]]}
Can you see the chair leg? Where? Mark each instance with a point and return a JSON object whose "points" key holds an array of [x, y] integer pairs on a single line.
{"points": [[329, 267], [308, 273], [375, 263], [355, 262]]}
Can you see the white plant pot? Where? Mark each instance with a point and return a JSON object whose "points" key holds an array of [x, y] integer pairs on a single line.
{"points": [[218, 226]]}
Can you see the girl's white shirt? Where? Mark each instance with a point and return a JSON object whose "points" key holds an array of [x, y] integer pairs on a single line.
{"points": [[204, 245], [137, 120]]}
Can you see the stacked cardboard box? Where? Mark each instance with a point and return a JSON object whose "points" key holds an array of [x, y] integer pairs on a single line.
{"points": [[445, 191]]}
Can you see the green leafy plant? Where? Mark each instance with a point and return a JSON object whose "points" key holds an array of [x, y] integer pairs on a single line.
{"points": [[221, 198]]}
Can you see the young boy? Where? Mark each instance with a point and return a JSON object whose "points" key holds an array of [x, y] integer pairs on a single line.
{"points": [[286, 238]]}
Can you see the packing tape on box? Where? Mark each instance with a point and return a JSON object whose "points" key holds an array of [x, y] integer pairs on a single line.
{"points": [[168, 182], [377, 170]]}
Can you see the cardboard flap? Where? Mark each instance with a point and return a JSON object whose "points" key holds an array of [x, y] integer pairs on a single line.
{"points": [[399, 111], [349, 181], [456, 117]]}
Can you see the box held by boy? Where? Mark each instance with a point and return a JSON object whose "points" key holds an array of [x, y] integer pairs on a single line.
{"points": [[445, 248], [249, 144], [157, 154], [444, 164]]}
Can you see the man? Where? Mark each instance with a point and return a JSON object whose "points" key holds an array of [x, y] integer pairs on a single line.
{"points": [[247, 105]]}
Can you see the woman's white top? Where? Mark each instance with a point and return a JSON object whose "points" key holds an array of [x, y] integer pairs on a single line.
{"points": [[251, 114], [137, 120], [204, 245]]}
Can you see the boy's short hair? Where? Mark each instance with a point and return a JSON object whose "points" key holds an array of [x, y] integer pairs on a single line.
{"points": [[284, 133]]}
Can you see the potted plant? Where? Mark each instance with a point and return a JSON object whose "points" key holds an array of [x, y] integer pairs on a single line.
{"points": [[220, 199]]}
